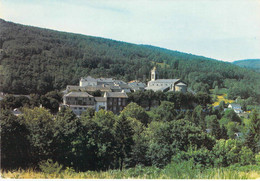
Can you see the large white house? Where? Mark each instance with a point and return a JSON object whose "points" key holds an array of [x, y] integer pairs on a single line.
{"points": [[165, 84]]}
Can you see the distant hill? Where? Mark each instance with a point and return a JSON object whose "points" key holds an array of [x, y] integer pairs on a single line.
{"points": [[249, 63], [38, 60]]}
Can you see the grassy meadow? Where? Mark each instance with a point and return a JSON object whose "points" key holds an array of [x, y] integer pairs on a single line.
{"points": [[185, 170]]}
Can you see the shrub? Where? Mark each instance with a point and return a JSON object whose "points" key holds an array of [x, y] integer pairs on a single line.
{"points": [[257, 158], [246, 156], [201, 157], [49, 167], [228, 152]]}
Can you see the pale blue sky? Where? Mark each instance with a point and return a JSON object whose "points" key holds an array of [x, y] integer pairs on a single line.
{"points": [[222, 29]]}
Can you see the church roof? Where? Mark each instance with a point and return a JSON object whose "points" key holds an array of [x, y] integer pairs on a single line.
{"points": [[157, 88], [164, 80]]}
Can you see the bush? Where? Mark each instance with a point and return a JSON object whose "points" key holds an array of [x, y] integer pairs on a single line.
{"points": [[49, 167], [246, 156], [201, 157], [257, 159], [228, 152]]}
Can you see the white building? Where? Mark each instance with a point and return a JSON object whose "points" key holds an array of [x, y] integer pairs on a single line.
{"points": [[90, 81], [165, 84], [236, 107], [78, 101], [103, 84]]}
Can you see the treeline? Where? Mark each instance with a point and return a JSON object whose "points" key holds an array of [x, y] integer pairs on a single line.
{"points": [[36, 60], [149, 99], [253, 64], [102, 140], [50, 101]]}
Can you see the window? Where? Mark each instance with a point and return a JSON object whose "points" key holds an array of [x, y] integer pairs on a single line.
{"points": [[114, 108]]}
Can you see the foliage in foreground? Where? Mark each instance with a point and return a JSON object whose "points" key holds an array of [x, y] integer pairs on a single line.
{"points": [[184, 170]]}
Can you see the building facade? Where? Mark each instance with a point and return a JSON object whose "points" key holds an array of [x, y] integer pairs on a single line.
{"points": [[90, 81], [116, 101], [165, 84], [78, 101]]}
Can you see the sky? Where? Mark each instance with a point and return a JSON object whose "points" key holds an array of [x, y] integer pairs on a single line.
{"points": [[226, 30]]}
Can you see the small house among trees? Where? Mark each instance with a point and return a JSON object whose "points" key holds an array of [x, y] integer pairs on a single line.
{"points": [[236, 107]]}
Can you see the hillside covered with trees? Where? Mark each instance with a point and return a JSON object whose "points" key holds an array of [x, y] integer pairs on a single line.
{"points": [[37, 60], [249, 63]]}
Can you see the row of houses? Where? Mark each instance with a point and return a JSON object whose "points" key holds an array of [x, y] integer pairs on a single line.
{"points": [[91, 84], [78, 102], [114, 99]]}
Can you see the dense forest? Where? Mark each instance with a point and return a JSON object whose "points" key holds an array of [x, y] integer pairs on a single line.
{"points": [[37, 60], [253, 64], [102, 140]]}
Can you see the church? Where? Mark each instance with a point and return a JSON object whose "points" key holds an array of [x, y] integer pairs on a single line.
{"points": [[165, 85]]}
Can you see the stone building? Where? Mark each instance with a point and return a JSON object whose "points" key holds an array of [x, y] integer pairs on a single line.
{"points": [[136, 86], [165, 84], [116, 101], [89, 89], [78, 101], [102, 84], [90, 81]]}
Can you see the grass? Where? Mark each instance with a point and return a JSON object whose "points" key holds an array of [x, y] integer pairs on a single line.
{"points": [[184, 170]]}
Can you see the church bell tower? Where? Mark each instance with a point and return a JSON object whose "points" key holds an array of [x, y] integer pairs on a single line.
{"points": [[153, 74]]}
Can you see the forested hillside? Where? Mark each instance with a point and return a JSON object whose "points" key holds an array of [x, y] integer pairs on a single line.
{"points": [[249, 63], [37, 60]]}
